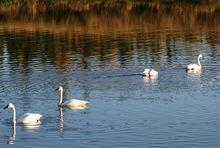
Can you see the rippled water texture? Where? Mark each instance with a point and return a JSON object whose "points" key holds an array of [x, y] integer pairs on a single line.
{"points": [[102, 63]]}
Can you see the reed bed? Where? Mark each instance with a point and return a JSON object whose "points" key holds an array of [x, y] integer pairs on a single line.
{"points": [[61, 8]]}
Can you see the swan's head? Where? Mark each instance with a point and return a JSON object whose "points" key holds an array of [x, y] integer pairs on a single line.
{"points": [[10, 105], [200, 55], [60, 88]]}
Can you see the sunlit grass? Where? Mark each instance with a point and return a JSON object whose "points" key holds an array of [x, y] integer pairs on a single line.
{"points": [[7, 5], [65, 9]]}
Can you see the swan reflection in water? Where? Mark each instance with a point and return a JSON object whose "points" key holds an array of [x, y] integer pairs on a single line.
{"points": [[11, 139], [194, 79], [61, 119], [150, 81], [32, 127]]}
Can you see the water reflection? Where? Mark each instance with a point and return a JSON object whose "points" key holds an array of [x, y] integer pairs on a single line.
{"points": [[115, 44], [61, 119], [150, 81], [120, 55], [194, 77], [32, 127], [102, 62], [11, 139]]}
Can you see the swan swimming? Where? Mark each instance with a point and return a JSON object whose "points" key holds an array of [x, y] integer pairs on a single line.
{"points": [[195, 67], [26, 119], [73, 103], [150, 73]]}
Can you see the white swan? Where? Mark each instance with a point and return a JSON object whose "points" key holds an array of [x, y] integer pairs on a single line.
{"points": [[195, 67], [73, 103], [150, 73], [27, 119]]}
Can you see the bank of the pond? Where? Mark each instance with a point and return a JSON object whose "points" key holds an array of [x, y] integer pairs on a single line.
{"points": [[59, 8]]}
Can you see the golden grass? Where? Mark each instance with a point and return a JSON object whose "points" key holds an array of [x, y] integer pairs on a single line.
{"points": [[63, 8]]}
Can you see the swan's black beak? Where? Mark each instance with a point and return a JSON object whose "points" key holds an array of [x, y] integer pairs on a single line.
{"points": [[57, 88], [6, 106]]}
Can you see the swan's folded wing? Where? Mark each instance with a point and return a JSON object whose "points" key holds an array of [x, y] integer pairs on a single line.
{"points": [[76, 104], [80, 102]]}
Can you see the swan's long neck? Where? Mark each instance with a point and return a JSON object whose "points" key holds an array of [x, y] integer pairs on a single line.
{"points": [[61, 96], [14, 115], [199, 61]]}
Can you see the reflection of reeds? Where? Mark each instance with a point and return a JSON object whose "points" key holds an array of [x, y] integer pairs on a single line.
{"points": [[104, 24], [103, 35], [71, 44]]}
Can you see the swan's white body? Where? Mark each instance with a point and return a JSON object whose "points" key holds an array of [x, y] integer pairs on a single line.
{"points": [[30, 118], [195, 67], [73, 103], [27, 119], [150, 73]]}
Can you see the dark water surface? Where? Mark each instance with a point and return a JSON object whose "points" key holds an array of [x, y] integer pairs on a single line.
{"points": [[102, 64]]}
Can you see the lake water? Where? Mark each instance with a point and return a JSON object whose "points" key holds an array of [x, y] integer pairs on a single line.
{"points": [[101, 62]]}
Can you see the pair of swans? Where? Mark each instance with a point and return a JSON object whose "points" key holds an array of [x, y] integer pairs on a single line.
{"points": [[32, 119], [151, 73]]}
